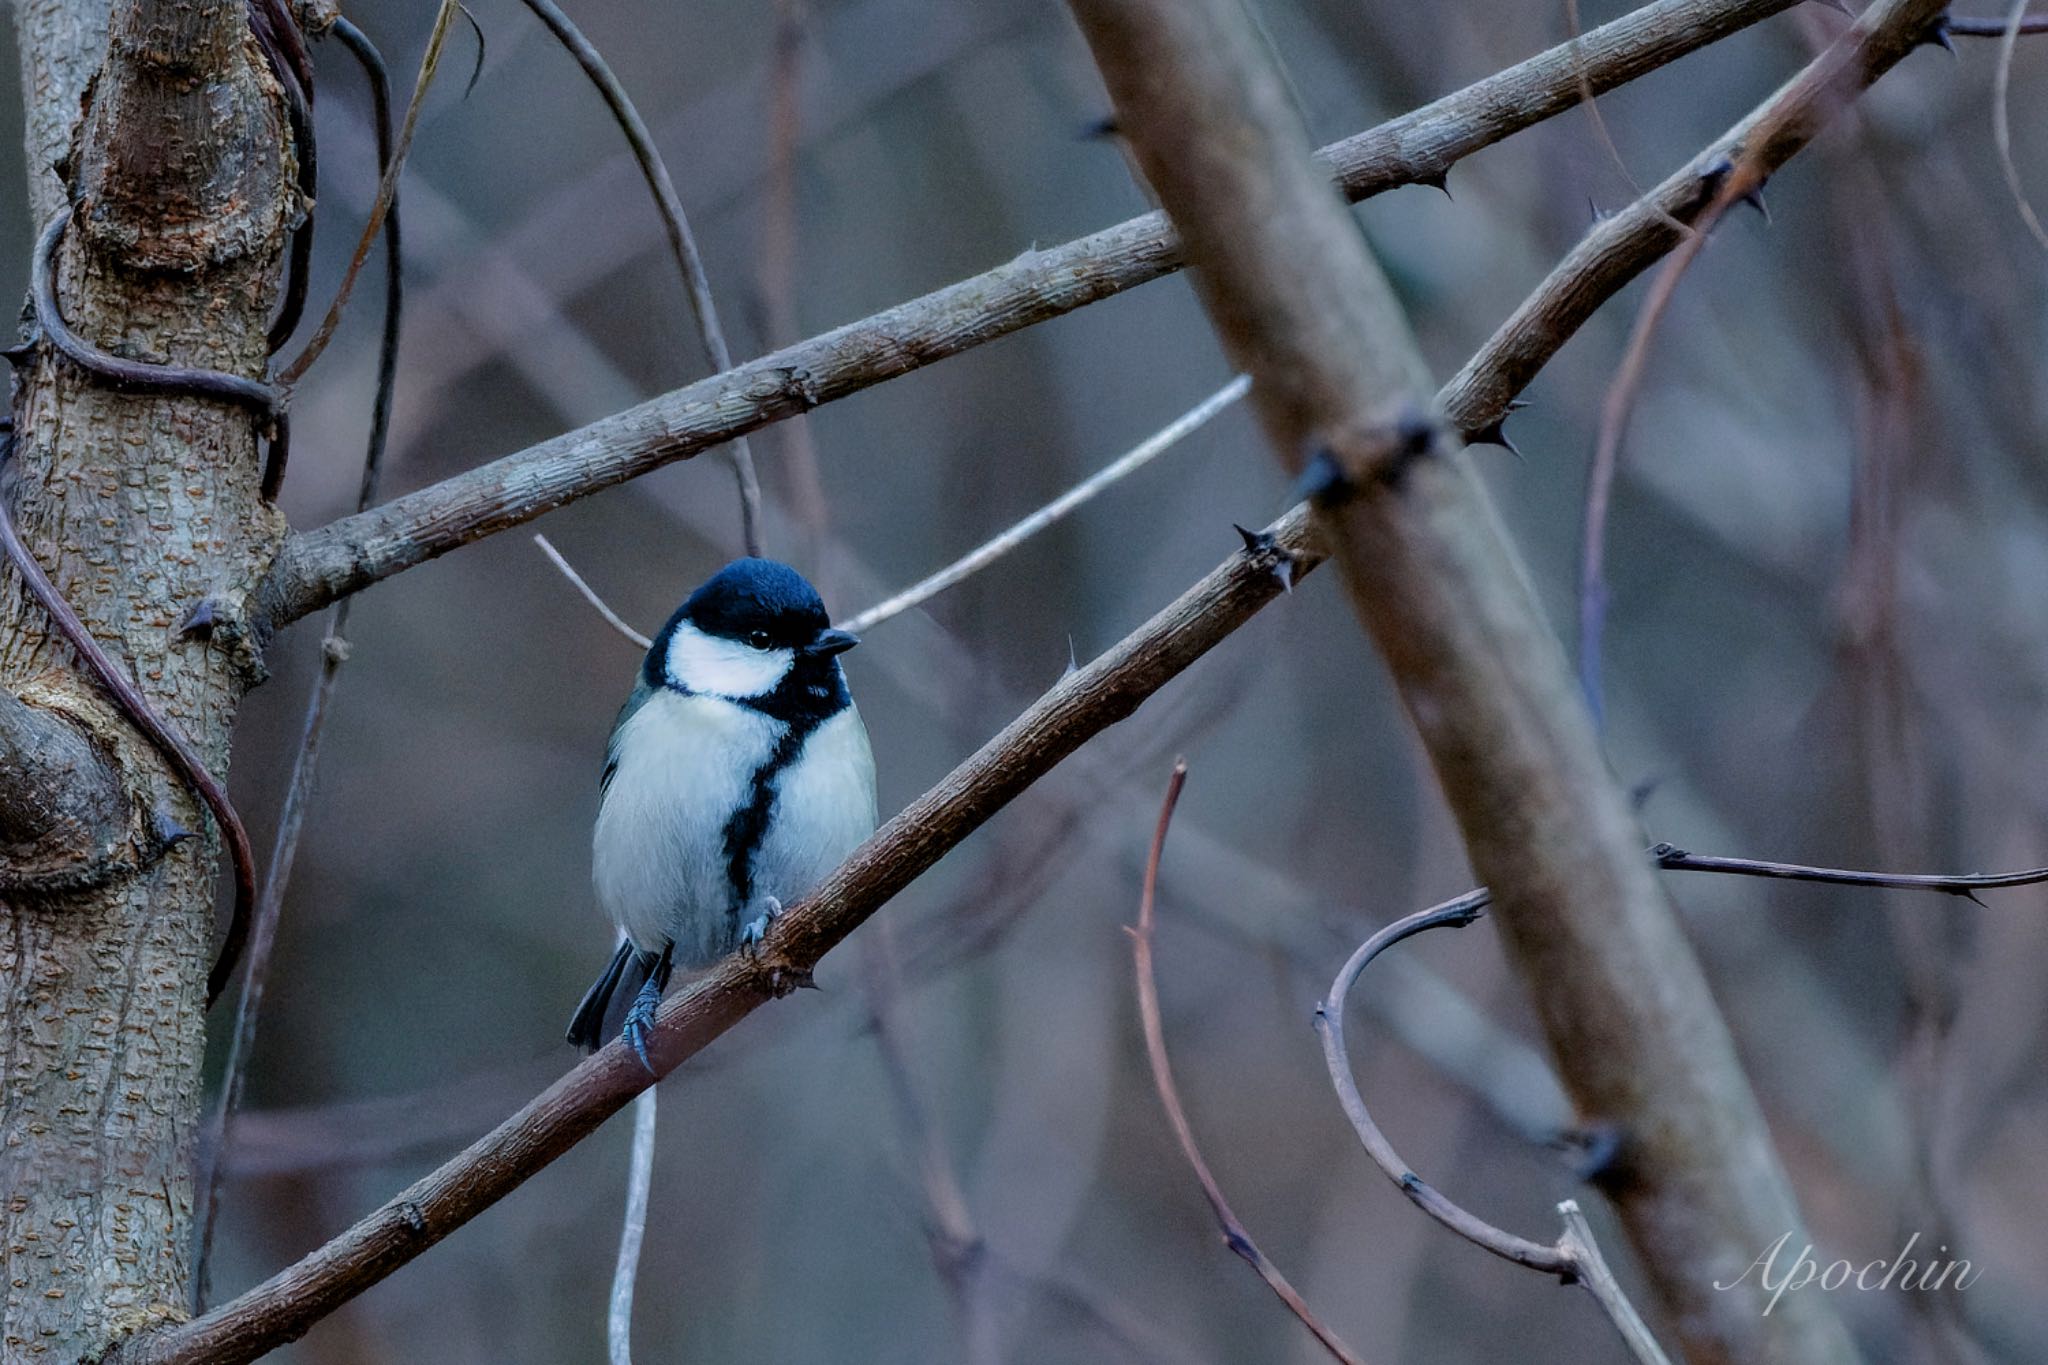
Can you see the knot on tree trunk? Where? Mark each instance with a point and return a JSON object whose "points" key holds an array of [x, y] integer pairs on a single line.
{"points": [[77, 808]]}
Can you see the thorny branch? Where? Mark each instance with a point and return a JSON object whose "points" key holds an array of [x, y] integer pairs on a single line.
{"points": [[1234, 1235], [1574, 1257], [1079, 706], [317, 567], [1092, 697]]}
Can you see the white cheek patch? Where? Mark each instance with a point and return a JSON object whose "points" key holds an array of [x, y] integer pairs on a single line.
{"points": [[723, 668]]}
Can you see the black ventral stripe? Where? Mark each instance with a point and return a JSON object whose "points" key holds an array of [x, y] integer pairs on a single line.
{"points": [[811, 693]]}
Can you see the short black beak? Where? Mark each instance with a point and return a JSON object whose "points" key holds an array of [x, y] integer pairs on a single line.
{"points": [[830, 642]]}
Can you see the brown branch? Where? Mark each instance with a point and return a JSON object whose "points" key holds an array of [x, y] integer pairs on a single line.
{"points": [[317, 567], [1575, 1257], [1621, 245], [1234, 1235], [1298, 302], [1079, 706], [1733, 170]]}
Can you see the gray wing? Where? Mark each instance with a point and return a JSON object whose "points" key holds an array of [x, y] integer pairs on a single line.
{"points": [[641, 692]]}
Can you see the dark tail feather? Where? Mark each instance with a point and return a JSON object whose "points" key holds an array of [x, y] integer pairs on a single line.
{"points": [[604, 1006]]}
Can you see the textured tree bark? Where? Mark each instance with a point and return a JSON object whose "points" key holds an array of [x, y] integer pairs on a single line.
{"points": [[138, 505], [1298, 301]]}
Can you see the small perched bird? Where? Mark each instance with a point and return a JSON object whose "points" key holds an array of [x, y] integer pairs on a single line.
{"points": [[737, 775]]}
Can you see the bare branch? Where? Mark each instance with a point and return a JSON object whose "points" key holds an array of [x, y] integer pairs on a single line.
{"points": [[1234, 1235], [319, 566], [387, 190], [1079, 706], [1621, 245], [1140, 455], [1574, 1257], [582, 586], [2001, 119], [682, 243], [1298, 301], [1965, 884], [618, 1318]]}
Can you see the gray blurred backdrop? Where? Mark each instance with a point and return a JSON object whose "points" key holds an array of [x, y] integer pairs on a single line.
{"points": [[1828, 644]]}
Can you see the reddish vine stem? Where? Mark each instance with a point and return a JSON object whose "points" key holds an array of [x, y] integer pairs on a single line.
{"points": [[1234, 1235]]}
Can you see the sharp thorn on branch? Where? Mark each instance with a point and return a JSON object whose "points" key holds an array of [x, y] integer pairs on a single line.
{"points": [[1936, 34], [1492, 434], [1438, 180], [1755, 199], [1261, 545]]}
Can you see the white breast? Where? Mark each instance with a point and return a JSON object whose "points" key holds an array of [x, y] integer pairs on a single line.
{"points": [[685, 763], [824, 808]]}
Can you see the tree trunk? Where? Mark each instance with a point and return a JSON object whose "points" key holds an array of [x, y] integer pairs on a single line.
{"points": [[138, 505]]}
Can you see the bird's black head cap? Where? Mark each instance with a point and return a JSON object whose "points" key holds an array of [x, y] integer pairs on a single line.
{"points": [[750, 595]]}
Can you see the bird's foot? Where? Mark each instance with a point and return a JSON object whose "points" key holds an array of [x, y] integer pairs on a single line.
{"points": [[756, 929], [639, 1025]]}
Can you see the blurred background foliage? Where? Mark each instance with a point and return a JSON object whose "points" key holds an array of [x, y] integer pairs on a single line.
{"points": [[1827, 644]]}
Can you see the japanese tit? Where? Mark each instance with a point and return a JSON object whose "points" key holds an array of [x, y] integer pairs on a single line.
{"points": [[737, 775]]}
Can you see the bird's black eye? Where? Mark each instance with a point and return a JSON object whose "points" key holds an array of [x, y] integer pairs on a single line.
{"points": [[758, 639]]}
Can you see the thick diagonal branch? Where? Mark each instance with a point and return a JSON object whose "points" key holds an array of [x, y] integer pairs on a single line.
{"points": [[1299, 303], [1081, 705], [320, 566]]}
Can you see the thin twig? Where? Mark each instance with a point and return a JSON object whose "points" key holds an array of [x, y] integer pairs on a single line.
{"points": [[775, 266], [1140, 455], [682, 242], [387, 190], [989, 551], [576, 581], [1234, 1235], [1965, 884], [1614, 414], [959, 1253], [333, 652], [1574, 1257], [618, 1322], [2001, 119], [1601, 132]]}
